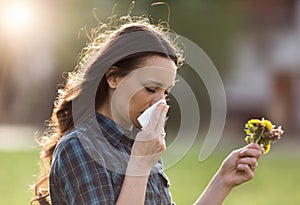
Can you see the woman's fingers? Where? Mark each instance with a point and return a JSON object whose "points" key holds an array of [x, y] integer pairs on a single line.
{"points": [[162, 118], [241, 164], [158, 117], [251, 153], [251, 150], [246, 172], [150, 132], [150, 142], [255, 146], [248, 157], [250, 161]]}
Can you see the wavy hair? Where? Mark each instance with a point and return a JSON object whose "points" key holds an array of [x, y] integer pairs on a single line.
{"points": [[122, 43]]}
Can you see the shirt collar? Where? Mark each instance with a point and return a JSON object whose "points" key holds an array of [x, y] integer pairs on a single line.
{"points": [[113, 132]]}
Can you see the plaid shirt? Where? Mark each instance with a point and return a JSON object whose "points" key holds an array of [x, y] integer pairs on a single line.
{"points": [[89, 164]]}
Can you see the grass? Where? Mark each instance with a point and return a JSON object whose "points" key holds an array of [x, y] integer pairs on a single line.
{"points": [[276, 181], [16, 174]]}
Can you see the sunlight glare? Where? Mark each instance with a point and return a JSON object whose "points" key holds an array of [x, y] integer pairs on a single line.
{"points": [[17, 17]]}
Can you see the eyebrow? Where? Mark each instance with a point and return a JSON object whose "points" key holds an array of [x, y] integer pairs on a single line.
{"points": [[158, 84]]}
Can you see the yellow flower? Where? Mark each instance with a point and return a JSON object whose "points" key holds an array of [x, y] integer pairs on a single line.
{"points": [[254, 121], [262, 132], [267, 148], [267, 124]]}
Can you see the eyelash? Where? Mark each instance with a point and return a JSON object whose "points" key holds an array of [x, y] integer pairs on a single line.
{"points": [[153, 91], [150, 90]]}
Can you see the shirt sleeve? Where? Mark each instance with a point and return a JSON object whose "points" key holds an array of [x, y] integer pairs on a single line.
{"points": [[76, 178]]}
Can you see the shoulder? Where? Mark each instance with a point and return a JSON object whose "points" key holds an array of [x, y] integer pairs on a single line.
{"points": [[68, 150], [73, 148], [85, 138], [83, 146], [69, 141]]}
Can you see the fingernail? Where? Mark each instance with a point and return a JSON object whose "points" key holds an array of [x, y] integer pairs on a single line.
{"points": [[167, 108]]}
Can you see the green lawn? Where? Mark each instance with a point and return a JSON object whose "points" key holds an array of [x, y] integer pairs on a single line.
{"points": [[276, 181], [16, 174]]}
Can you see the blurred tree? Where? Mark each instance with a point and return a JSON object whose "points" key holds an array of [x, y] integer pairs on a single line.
{"points": [[209, 23]]}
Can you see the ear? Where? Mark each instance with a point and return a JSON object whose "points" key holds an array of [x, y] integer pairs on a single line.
{"points": [[111, 78]]}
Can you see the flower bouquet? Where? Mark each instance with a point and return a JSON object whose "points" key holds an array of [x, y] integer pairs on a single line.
{"points": [[262, 132]]}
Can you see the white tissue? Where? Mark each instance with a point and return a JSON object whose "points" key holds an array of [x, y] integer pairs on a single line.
{"points": [[144, 118]]}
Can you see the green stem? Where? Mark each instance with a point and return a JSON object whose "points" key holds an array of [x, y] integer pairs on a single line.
{"points": [[260, 136]]}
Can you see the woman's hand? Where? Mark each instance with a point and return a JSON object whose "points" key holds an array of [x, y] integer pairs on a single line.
{"points": [[236, 169], [240, 165], [149, 144]]}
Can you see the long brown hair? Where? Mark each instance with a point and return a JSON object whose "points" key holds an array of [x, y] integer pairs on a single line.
{"points": [[105, 50]]}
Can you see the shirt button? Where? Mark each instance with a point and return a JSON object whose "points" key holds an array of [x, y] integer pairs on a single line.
{"points": [[158, 199]]}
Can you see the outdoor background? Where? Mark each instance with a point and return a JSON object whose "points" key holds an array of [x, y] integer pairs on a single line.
{"points": [[254, 44]]}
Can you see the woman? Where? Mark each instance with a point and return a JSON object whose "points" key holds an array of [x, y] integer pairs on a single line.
{"points": [[95, 150]]}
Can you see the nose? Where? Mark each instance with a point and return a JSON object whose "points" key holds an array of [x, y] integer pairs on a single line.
{"points": [[158, 96]]}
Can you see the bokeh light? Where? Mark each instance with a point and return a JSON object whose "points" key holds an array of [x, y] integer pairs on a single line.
{"points": [[17, 16]]}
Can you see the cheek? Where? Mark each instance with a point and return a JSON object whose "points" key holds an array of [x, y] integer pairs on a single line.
{"points": [[139, 101]]}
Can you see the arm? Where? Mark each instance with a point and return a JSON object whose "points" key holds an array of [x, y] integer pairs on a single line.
{"points": [[146, 151], [215, 193], [76, 178], [133, 190], [235, 170]]}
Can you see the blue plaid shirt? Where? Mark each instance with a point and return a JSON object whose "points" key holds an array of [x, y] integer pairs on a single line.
{"points": [[89, 164]]}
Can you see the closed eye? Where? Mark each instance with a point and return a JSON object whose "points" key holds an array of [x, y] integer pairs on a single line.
{"points": [[153, 90], [150, 90]]}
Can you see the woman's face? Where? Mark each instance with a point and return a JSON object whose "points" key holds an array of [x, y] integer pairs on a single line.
{"points": [[142, 88]]}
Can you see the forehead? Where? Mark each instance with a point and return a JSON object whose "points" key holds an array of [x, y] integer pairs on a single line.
{"points": [[157, 69], [154, 70], [155, 75], [159, 61]]}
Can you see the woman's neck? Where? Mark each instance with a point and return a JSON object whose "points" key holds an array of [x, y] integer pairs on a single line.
{"points": [[105, 109]]}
